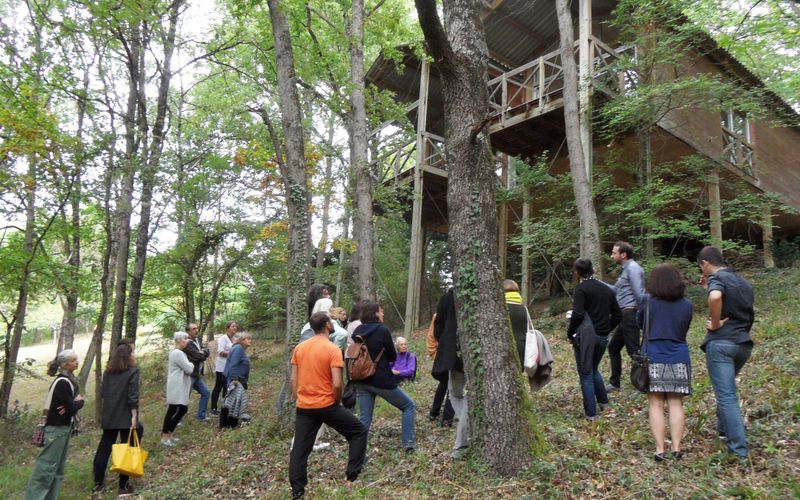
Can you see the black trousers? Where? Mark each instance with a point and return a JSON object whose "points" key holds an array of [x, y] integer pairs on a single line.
{"points": [[220, 385], [627, 335], [306, 424], [174, 415], [440, 397], [103, 453]]}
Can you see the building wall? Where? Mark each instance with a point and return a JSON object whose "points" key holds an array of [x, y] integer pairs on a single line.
{"points": [[776, 163]]}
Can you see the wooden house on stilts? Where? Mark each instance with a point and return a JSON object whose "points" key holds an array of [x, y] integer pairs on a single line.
{"points": [[526, 92]]}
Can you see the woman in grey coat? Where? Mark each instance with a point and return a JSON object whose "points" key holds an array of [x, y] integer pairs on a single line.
{"points": [[120, 412], [179, 384]]}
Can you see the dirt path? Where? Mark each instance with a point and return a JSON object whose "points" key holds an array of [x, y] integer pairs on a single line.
{"points": [[30, 391]]}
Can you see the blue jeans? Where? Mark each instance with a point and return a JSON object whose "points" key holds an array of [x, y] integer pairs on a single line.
{"points": [[592, 386], [199, 385], [395, 397], [724, 360]]}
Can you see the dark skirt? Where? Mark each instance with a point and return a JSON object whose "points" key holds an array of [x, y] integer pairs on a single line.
{"points": [[670, 367]]}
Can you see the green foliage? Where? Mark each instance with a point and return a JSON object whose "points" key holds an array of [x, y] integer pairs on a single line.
{"points": [[786, 252]]}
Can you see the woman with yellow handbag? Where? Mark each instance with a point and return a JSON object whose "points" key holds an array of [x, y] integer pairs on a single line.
{"points": [[63, 403], [120, 415]]}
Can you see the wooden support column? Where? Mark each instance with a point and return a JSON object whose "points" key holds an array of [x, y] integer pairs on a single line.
{"points": [[502, 223], [526, 257], [585, 75], [715, 209], [766, 231], [415, 258]]}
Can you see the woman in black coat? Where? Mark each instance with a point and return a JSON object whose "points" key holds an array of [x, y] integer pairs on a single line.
{"points": [[120, 412], [448, 360]]}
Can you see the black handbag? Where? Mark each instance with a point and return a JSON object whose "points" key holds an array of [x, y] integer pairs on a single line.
{"points": [[640, 363], [349, 395]]}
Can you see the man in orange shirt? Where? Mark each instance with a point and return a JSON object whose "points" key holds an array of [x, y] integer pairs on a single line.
{"points": [[317, 386]]}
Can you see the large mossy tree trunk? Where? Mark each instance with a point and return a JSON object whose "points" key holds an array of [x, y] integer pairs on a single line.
{"points": [[501, 428], [295, 180]]}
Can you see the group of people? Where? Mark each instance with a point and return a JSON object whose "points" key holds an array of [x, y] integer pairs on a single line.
{"points": [[603, 317], [318, 381], [660, 309], [120, 403]]}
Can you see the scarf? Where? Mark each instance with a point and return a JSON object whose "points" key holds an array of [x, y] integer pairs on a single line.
{"points": [[513, 298], [76, 386]]}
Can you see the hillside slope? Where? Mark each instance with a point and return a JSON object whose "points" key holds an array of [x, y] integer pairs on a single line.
{"points": [[611, 458]]}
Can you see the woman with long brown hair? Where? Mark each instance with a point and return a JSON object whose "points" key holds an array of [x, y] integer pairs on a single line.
{"points": [[120, 415]]}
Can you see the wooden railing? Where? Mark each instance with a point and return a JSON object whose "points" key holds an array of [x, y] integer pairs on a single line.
{"points": [[535, 84], [737, 151]]}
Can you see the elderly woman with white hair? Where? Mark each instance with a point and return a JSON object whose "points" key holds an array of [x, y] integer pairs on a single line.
{"points": [[237, 373], [179, 385], [405, 366], [62, 405]]}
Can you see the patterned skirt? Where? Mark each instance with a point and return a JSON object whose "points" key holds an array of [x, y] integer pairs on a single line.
{"points": [[670, 367]]}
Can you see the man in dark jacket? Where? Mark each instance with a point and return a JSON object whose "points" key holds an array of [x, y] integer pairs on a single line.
{"points": [[197, 354], [728, 343], [448, 359], [594, 301]]}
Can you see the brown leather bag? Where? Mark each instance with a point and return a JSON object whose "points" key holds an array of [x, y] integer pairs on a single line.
{"points": [[360, 365]]}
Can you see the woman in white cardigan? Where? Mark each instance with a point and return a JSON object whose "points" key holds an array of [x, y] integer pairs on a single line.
{"points": [[179, 385]]}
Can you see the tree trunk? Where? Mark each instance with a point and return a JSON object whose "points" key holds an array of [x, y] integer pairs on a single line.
{"points": [[644, 143], [69, 324], [149, 168], [589, 227], [106, 285], [295, 182], [125, 202], [14, 333], [501, 427], [342, 255], [327, 191], [363, 227]]}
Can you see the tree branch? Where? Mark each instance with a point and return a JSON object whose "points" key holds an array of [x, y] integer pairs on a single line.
{"points": [[436, 41]]}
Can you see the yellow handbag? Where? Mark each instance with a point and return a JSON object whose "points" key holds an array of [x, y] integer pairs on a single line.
{"points": [[129, 460]]}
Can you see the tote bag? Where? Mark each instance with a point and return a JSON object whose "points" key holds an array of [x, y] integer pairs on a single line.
{"points": [[129, 460], [531, 358]]}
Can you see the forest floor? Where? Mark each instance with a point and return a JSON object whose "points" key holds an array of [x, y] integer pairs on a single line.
{"points": [[611, 458]]}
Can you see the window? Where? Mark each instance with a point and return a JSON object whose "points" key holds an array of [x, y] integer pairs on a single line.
{"points": [[736, 147]]}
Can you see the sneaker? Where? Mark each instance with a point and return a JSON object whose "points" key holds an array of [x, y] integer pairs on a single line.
{"points": [[676, 455], [321, 446], [203, 419], [245, 417], [214, 413], [447, 423], [175, 440], [612, 388], [602, 406], [409, 450], [593, 418], [98, 489], [459, 453], [660, 457], [168, 442], [432, 417]]}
